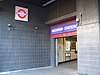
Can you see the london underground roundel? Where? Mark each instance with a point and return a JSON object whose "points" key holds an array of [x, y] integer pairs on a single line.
{"points": [[21, 13]]}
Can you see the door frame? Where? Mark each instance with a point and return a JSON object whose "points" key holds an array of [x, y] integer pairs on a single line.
{"points": [[56, 52]]}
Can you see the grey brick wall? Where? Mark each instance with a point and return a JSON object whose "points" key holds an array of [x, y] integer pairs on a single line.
{"points": [[53, 52], [88, 38], [22, 47]]}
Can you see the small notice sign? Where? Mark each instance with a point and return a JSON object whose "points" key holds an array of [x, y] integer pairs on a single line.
{"points": [[21, 13]]}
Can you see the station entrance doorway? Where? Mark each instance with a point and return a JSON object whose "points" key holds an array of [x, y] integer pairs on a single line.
{"points": [[65, 34], [66, 49]]}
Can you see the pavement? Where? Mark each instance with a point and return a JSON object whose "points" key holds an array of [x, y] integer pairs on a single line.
{"points": [[69, 68]]}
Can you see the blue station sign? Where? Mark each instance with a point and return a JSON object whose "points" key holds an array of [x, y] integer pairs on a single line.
{"points": [[64, 28]]}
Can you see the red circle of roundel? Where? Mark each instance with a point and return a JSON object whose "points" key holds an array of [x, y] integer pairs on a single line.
{"points": [[23, 15]]}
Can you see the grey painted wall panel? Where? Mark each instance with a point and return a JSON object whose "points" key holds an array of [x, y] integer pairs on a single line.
{"points": [[66, 7], [60, 8], [51, 11]]}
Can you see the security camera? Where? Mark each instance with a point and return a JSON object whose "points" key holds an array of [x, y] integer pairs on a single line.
{"points": [[36, 28], [77, 19], [9, 25]]}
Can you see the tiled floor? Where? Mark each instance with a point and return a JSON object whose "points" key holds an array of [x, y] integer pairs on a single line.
{"points": [[69, 68]]}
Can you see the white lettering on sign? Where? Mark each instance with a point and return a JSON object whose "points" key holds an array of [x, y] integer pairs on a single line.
{"points": [[57, 30], [70, 27]]}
